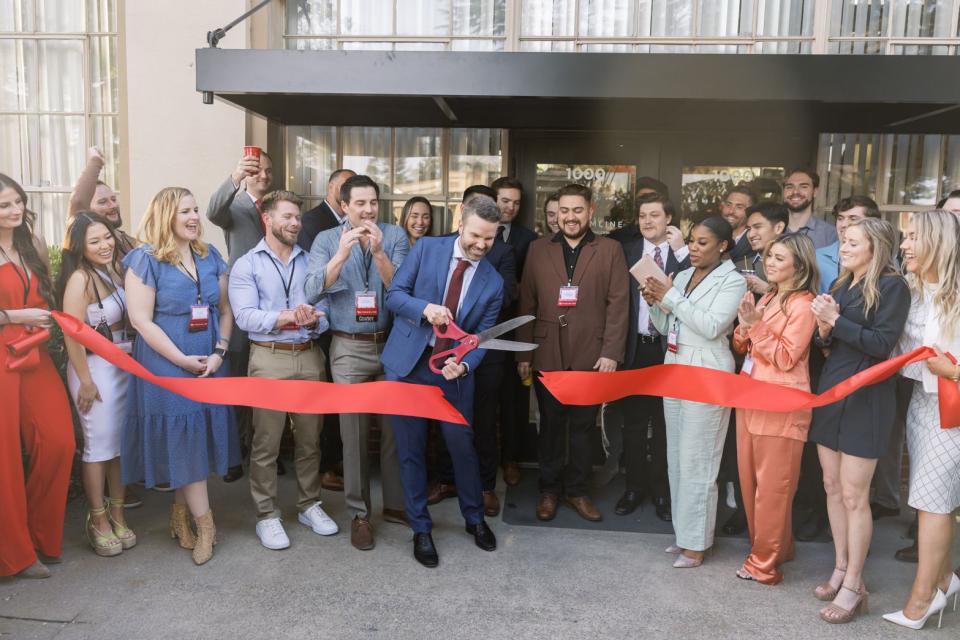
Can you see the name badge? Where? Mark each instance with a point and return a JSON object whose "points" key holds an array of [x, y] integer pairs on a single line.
{"points": [[366, 306], [672, 345], [568, 296], [747, 368], [199, 317]]}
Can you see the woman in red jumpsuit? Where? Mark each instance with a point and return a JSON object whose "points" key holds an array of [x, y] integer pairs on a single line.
{"points": [[34, 411]]}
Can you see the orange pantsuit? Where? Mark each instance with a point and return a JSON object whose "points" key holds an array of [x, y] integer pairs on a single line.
{"points": [[35, 416], [769, 444]]}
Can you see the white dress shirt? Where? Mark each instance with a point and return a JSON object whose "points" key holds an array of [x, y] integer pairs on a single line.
{"points": [[643, 311]]}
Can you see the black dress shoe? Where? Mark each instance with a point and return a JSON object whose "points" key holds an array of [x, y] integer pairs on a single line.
{"points": [[880, 511], [628, 503], [662, 507], [424, 551], [281, 470], [815, 529], [233, 474], [735, 524], [482, 535]]}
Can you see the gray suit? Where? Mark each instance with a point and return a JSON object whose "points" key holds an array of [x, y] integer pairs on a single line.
{"points": [[232, 209]]}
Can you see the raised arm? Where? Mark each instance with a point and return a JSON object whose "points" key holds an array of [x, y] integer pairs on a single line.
{"points": [[86, 186]]}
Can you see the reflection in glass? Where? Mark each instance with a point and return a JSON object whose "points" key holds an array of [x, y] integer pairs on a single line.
{"points": [[60, 67], [366, 17], [104, 77], [914, 169], [423, 17], [311, 158], [612, 187], [474, 158], [417, 161], [720, 19], [702, 188], [311, 17], [950, 179], [666, 17], [848, 165], [604, 18], [479, 17], [104, 134], [366, 150], [861, 18], [547, 17]]}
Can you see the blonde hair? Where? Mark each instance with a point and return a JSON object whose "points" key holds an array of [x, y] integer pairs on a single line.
{"points": [[937, 250], [156, 227], [880, 236], [806, 277]]}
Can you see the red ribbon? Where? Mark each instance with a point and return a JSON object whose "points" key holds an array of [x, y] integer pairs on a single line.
{"points": [[296, 396], [698, 384]]}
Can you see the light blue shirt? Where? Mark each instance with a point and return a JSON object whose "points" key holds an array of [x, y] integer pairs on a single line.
{"points": [[355, 277], [828, 262], [257, 294]]}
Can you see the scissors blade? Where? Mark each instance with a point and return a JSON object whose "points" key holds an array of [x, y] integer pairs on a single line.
{"points": [[504, 327], [506, 345]]}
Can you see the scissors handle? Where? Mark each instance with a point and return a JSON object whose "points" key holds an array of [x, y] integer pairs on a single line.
{"points": [[468, 342]]}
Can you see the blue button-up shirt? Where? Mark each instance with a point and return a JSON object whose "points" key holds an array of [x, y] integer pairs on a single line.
{"points": [[257, 294], [828, 262], [821, 232], [355, 276]]}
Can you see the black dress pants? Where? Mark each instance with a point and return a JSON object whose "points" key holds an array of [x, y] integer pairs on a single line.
{"points": [[565, 444], [514, 411], [645, 458]]}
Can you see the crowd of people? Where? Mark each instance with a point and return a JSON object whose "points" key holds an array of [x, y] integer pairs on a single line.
{"points": [[766, 289]]}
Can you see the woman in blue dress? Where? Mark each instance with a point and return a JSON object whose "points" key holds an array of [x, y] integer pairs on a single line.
{"points": [[176, 287]]}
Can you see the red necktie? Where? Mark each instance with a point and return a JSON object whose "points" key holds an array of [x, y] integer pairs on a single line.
{"points": [[452, 301]]}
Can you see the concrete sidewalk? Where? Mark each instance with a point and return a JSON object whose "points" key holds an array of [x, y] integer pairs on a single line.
{"points": [[540, 583]]}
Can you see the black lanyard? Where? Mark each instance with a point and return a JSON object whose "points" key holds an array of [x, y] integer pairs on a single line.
{"points": [[23, 277], [289, 282], [113, 294], [196, 280]]}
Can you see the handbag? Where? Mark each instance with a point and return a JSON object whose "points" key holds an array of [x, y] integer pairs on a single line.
{"points": [[24, 352]]}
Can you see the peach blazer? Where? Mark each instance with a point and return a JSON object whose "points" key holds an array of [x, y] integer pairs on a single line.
{"points": [[780, 346]]}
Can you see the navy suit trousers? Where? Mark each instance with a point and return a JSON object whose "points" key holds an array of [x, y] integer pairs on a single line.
{"points": [[410, 435]]}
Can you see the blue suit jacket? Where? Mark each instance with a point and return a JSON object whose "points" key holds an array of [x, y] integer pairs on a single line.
{"points": [[421, 280]]}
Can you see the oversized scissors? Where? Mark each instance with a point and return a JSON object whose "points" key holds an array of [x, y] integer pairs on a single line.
{"points": [[483, 340]]}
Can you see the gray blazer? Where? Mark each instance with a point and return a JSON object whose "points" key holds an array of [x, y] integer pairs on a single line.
{"points": [[232, 210]]}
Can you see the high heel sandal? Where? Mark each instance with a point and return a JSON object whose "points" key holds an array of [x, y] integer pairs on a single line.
{"points": [[835, 614], [180, 526], [127, 538], [105, 545], [953, 589], [826, 592], [937, 605]]}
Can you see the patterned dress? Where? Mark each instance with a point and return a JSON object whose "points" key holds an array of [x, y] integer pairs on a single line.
{"points": [[934, 452]]}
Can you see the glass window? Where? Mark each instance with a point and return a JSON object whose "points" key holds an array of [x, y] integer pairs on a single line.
{"points": [[366, 17], [474, 159], [923, 18], [612, 187], [366, 150], [312, 17], [914, 170], [859, 18], [423, 17], [51, 210], [104, 134], [702, 188], [102, 16], [546, 45], [59, 16], [547, 17], [62, 149], [666, 18], [732, 18], [312, 157], [60, 71], [605, 18], [479, 17], [950, 176], [417, 161], [785, 18], [103, 76], [477, 45], [10, 150], [849, 165]]}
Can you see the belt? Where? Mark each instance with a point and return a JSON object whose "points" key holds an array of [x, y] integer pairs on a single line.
{"points": [[285, 346], [379, 336], [648, 339]]}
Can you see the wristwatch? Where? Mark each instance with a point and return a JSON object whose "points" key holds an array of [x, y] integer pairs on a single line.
{"points": [[220, 351]]}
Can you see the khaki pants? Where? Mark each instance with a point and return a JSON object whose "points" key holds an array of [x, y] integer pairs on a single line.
{"points": [[352, 362], [268, 430]]}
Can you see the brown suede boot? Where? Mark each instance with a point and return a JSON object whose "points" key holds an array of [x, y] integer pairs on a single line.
{"points": [[206, 538], [180, 526]]}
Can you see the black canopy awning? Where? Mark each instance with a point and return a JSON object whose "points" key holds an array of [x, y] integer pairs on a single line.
{"points": [[592, 91]]}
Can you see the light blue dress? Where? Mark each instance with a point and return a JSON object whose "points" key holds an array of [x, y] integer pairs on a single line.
{"points": [[696, 431], [166, 437]]}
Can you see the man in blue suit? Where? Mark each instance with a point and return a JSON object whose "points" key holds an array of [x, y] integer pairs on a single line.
{"points": [[443, 279]]}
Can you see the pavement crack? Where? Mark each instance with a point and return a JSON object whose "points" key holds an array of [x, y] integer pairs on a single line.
{"points": [[44, 620]]}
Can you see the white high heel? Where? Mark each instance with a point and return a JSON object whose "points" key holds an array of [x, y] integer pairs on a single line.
{"points": [[953, 589], [938, 604]]}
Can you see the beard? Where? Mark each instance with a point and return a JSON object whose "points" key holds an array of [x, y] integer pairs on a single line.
{"points": [[582, 232], [800, 207], [277, 232], [114, 224]]}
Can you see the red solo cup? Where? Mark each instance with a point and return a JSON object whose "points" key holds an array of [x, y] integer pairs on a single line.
{"points": [[252, 151]]}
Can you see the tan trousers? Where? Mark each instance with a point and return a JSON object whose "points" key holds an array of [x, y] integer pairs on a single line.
{"points": [[351, 362], [268, 430]]}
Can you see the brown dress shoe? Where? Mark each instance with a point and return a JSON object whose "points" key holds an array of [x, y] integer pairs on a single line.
{"points": [[511, 474], [438, 492], [491, 505], [331, 481], [396, 516], [361, 534], [547, 506], [584, 506]]}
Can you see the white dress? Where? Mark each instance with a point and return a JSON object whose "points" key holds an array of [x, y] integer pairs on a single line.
{"points": [[934, 452], [103, 423]]}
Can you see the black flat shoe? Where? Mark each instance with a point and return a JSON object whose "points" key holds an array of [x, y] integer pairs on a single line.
{"points": [[662, 507], [233, 474], [482, 535], [424, 551], [735, 524], [628, 503]]}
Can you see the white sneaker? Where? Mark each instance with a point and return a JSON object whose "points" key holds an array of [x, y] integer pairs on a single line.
{"points": [[271, 534], [317, 519]]}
